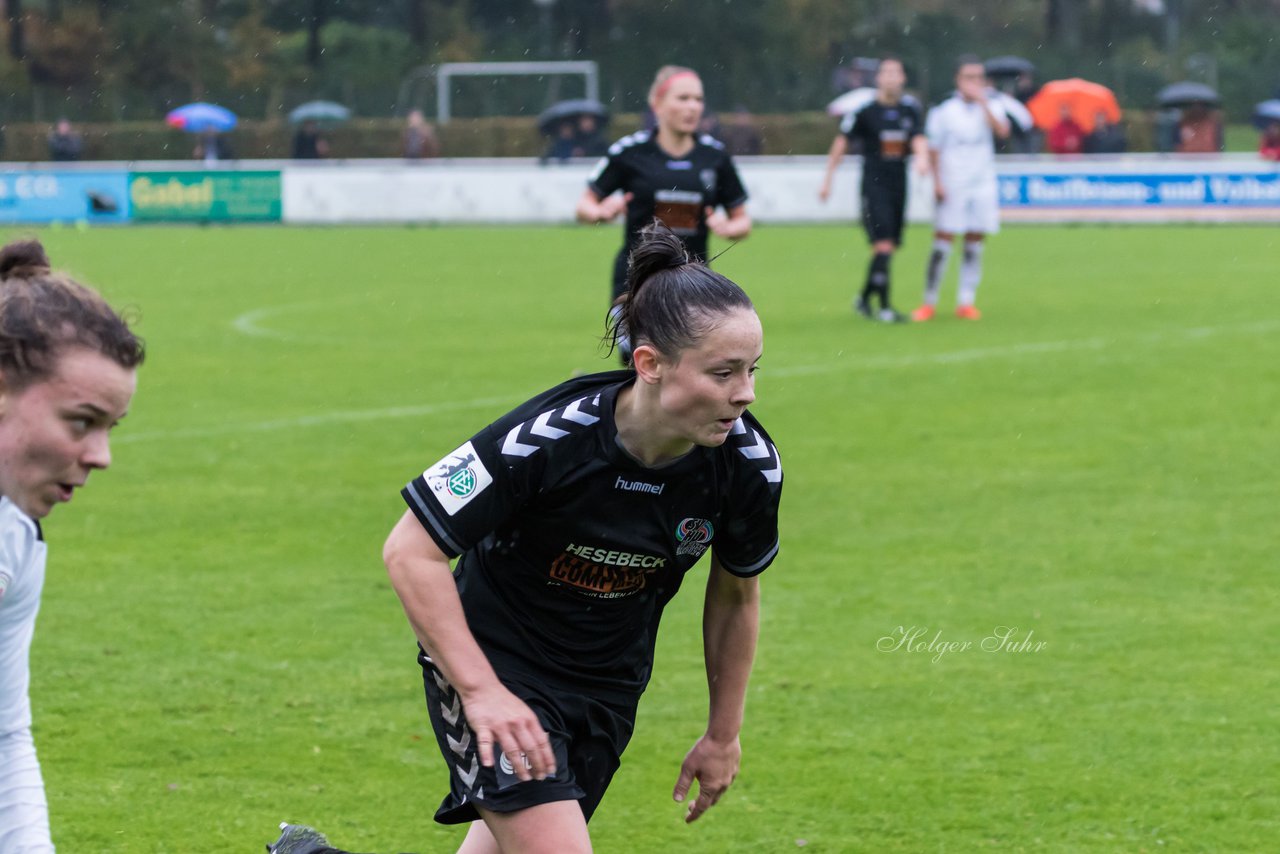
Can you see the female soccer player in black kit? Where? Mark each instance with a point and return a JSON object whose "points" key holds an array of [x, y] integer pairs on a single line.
{"points": [[672, 174], [889, 125], [574, 519]]}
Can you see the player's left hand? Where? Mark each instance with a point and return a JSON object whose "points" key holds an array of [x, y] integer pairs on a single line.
{"points": [[717, 222], [714, 764]]}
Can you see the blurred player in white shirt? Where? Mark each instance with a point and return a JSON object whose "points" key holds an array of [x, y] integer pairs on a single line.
{"points": [[962, 131]]}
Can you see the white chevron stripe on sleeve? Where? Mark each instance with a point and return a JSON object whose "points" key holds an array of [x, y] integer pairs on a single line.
{"points": [[758, 451], [513, 447], [542, 427], [577, 416]]}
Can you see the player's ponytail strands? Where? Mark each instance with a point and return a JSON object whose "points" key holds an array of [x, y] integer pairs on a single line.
{"points": [[671, 300], [43, 313]]}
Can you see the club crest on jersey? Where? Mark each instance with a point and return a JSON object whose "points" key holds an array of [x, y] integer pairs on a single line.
{"points": [[458, 478], [694, 536], [5, 578], [708, 178]]}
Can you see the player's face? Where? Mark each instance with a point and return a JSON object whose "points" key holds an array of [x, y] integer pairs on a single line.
{"points": [[971, 80], [890, 78], [53, 433], [707, 390], [679, 108]]}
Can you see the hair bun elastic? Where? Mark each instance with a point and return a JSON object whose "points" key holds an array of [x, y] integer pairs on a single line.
{"points": [[24, 259]]}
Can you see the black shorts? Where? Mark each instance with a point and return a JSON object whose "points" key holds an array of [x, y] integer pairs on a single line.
{"points": [[884, 208], [588, 737]]}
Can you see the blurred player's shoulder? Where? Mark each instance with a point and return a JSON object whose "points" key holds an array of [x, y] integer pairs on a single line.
{"points": [[629, 141]]}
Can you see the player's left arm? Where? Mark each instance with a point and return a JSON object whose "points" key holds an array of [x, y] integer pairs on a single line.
{"points": [[920, 159], [731, 224], [730, 625]]}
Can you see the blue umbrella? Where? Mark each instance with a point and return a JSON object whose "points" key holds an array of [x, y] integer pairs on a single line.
{"points": [[1266, 113], [326, 112], [200, 117]]}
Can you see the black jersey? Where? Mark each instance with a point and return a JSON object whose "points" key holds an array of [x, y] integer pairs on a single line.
{"points": [[570, 549], [676, 190], [884, 134]]}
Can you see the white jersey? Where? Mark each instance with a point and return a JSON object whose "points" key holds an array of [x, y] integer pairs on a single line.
{"points": [[961, 134], [24, 815]]}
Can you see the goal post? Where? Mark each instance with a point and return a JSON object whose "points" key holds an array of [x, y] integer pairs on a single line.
{"points": [[445, 73]]}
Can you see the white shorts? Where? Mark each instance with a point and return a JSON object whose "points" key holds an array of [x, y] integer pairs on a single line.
{"points": [[971, 209]]}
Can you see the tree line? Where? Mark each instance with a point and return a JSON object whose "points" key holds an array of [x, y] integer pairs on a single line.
{"points": [[105, 60]]}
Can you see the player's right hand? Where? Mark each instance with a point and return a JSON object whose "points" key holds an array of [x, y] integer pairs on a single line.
{"points": [[824, 192], [939, 192], [497, 715], [613, 205]]}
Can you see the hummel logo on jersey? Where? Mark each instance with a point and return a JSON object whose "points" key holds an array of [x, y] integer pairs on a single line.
{"points": [[527, 437], [458, 478], [639, 486], [756, 448]]}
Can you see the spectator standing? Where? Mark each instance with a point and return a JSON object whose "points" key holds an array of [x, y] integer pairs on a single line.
{"points": [[65, 144], [588, 141], [1067, 136], [212, 147], [1200, 130], [1105, 138], [1269, 145], [419, 140], [309, 143], [741, 136]]}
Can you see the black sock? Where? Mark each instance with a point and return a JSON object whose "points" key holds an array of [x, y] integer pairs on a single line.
{"points": [[878, 279]]}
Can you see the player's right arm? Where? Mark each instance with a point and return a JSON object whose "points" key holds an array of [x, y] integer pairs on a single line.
{"points": [[421, 577], [593, 210], [839, 146]]}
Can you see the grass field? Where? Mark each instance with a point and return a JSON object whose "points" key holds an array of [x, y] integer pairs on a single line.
{"points": [[1093, 464]]}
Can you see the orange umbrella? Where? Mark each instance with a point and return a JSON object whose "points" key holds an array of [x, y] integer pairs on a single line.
{"points": [[1083, 98]]}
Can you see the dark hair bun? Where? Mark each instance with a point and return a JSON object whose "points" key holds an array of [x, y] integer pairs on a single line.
{"points": [[659, 249], [23, 259]]}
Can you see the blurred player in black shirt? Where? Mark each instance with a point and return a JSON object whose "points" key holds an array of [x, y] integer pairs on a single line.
{"points": [[574, 519], [886, 126], [671, 173]]}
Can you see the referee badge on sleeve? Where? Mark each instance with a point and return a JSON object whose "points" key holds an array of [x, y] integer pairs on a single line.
{"points": [[458, 478]]}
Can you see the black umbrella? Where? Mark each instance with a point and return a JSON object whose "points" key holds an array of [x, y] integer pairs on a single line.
{"points": [[1187, 92], [1008, 66], [570, 111]]}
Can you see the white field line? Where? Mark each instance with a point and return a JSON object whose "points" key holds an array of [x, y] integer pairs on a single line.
{"points": [[349, 416], [352, 416]]}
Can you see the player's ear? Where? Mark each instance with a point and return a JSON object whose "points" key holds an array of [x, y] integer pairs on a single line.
{"points": [[648, 363]]}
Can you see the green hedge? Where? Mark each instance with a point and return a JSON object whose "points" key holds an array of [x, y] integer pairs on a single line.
{"points": [[791, 133]]}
